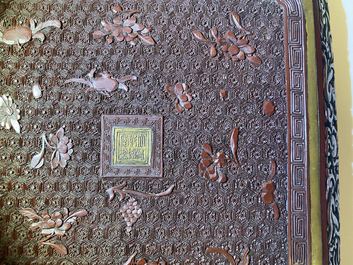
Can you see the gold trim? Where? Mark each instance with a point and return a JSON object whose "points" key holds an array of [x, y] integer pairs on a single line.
{"points": [[314, 139]]}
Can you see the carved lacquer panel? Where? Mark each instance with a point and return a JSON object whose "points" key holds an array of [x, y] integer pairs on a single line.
{"points": [[206, 147]]}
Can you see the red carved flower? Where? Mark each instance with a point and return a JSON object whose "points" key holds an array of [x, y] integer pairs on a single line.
{"points": [[211, 166], [182, 98]]}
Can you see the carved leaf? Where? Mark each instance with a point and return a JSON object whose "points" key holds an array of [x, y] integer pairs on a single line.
{"points": [[268, 108], [268, 187], [222, 178], [207, 148], [223, 94], [214, 33], [30, 214], [146, 30], [166, 192], [213, 51], [49, 23], [111, 193], [235, 18], [36, 91], [147, 39], [273, 168], [117, 8], [129, 260], [122, 86], [241, 55], [255, 60], [234, 144], [199, 35], [242, 42], [15, 125], [59, 248], [38, 159], [80, 213], [229, 35], [137, 27], [248, 49], [187, 105], [178, 107], [268, 198], [276, 211]]}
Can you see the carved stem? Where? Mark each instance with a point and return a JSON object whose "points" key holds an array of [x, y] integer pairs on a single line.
{"points": [[48, 237], [130, 259], [223, 252], [145, 194], [45, 141]]}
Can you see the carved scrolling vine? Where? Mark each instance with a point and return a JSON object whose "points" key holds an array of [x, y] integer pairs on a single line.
{"points": [[245, 259]]}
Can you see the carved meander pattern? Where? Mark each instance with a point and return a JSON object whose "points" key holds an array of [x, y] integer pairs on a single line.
{"points": [[179, 227]]}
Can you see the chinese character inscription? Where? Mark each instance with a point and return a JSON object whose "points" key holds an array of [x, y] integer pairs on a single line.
{"points": [[132, 146]]}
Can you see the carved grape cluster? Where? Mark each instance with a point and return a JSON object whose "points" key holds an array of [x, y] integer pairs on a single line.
{"points": [[131, 212]]}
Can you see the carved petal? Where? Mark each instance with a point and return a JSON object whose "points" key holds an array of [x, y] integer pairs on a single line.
{"points": [[147, 39], [38, 159], [234, 144], [15, 125], [207, 148], [213, 51], [199, 35], [117, 8], [98, 34], [255, 60], [55, 158], [30, 214]]}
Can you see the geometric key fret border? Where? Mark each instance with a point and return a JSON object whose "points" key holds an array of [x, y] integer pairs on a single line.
{"points": [[298, 184]]}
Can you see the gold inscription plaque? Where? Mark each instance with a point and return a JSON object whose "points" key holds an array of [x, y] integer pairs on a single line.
{"points": [[132, 146]]}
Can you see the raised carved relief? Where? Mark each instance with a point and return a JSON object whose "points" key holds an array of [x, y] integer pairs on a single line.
{"points": [[182, 97], [223, 94], [234, 138], [268, 108], [103, 82], [36, 91], [244, 260], [52, 226], [268, 190], [124, 27], [230, 45], [131, 210], [212, 165], [61, 146], [22, 34], [9, 114]]}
